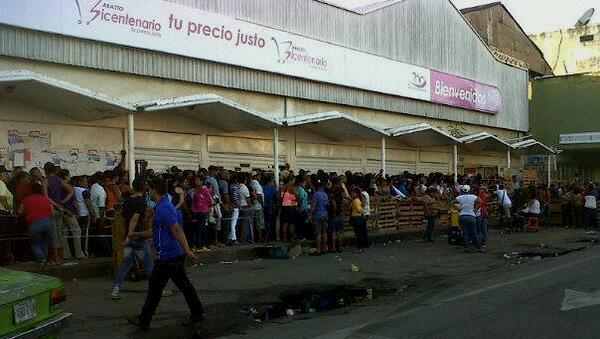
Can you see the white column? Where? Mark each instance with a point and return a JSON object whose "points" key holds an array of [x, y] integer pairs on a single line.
{"points": [[383, 156], [549, 170], [508, 160], [131, 146], [455, 164], [276, 156]]}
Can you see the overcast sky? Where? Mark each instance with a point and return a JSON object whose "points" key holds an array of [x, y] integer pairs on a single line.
{"points": [[537, 16]]}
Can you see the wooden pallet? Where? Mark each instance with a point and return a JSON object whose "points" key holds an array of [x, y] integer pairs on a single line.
{"points": [[384, 213], [401, 215], [411, 215]]}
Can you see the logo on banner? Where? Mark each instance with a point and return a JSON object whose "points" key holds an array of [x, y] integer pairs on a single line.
{"points": [[288, 52], [418, 82], [115, 14]]}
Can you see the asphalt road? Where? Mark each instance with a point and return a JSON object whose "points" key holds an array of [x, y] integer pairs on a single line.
{"points": [[450, 294], [522, 303]]}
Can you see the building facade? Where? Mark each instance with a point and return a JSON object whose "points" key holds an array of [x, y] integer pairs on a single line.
{"points": [[505, 37], [564, 115], [246, 84], [564, 108], [571, 51]]}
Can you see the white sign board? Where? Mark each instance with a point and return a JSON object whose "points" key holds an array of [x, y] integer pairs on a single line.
{"points": [[579, 138], [171, 28]]}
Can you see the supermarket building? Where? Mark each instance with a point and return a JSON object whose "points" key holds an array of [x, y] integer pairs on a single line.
{"points": [[405, 86]]}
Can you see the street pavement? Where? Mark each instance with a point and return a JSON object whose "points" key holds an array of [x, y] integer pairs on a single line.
{"points": [[449, 294], [525, 303]]}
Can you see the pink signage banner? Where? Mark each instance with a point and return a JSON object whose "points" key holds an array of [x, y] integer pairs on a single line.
{"points": [[456, 91]]}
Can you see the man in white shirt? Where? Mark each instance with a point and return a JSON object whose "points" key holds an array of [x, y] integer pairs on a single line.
{"points": [[533, 207], [257, 205], [245, 209], [468, 203], [505, 201], [98, 199], [87, 210], [590, 207], [98, 196], [83, 198], [366, 204]]}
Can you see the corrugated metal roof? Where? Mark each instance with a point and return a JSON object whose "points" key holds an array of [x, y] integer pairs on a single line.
{"points": [[59, 96], [423, 135], [336, 126], [214, 111], [485, 142], [480, 7], [361, 6], [533, 147]]}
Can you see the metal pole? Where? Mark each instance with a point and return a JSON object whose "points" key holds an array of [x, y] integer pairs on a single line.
{"points": [[131, 145], [276, 156], [549, 171], [455, 164], [383, 156], [276, 176]]}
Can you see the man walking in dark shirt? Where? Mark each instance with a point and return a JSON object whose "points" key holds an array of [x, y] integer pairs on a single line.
{"points": [[136, 243], [171, 249]]}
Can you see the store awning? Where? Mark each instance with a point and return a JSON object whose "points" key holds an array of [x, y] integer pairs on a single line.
{"points": [[423, 135], [533, 147], [213, 110], [59, 96], [336, 126], [485, 142]]}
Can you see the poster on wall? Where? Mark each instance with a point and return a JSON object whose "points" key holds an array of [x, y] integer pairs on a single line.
{"points": [[35, 148], [19, 160], [4, 161], [22, 143], [93, 156], [111, 160]]}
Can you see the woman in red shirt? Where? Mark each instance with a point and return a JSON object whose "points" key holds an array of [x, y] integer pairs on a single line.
{"points": [[38, 213]]}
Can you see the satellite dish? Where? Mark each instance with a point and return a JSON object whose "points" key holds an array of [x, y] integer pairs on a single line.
{"points": [[586, 18]]}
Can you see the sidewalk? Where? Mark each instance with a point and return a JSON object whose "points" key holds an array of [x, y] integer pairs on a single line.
{"points": [[230, 290], [104, 267]]}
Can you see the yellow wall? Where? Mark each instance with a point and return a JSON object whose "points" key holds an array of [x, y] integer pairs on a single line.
{"points": [[567, 54]]}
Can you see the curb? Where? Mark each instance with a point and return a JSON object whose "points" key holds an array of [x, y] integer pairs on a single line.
{"points": [[104, 267]]}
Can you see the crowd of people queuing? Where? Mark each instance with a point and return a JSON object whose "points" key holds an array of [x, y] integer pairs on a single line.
{"points": [[175, 214], [217, 207], [579, 202], [55, 207]]}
